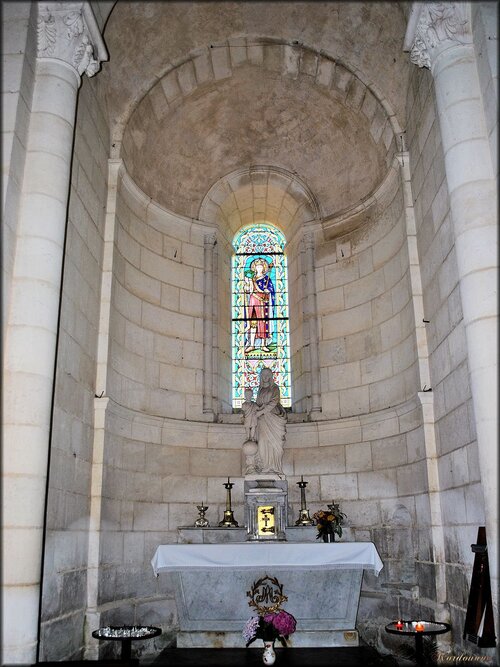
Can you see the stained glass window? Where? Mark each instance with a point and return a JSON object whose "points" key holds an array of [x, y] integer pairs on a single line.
{"points": [[260, 326]]}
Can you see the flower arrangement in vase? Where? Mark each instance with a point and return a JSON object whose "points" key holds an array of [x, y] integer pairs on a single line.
{"points": [[329, 522], [272, 622], [269, 627]]}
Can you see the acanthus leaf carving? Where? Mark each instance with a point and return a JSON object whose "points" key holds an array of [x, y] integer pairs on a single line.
{"points": [[83, 58], [74, 23], [64, 34], [46, 34], [439, 24]]}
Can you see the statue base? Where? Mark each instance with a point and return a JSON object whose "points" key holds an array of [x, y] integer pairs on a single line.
{"points": [[264, 477]]}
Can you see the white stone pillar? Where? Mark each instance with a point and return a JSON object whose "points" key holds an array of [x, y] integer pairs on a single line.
{"points": [[208, 324], [440, 37], [311, 315], [69, 44]]}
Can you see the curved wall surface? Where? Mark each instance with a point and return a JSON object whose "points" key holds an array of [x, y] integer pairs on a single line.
{"points": [[163, 455]]}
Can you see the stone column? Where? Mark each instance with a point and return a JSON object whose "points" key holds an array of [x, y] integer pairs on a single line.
{"points": [[208, 324], [69, 44], [439, 37], [311, 315]]}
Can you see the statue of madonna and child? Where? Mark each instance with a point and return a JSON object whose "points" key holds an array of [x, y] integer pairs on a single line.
{"points": [[265, 427]]}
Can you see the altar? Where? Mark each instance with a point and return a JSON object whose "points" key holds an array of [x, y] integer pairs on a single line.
{"points": [[321, 580]]}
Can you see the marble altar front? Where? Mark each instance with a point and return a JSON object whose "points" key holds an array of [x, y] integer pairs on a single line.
{"points": [[322, 582]]}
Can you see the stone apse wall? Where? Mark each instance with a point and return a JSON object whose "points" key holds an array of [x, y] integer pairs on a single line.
{"points": [[162, 454]]}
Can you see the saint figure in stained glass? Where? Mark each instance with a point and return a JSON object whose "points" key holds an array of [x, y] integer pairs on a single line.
{"points": [[259, 307], [260, 327]]}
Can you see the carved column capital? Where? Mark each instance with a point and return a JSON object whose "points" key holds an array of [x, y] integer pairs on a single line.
{"points": [[210, 239], [435, 26], [308, 238], [68, 31]]}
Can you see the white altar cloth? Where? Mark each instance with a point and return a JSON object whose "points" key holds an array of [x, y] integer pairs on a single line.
{"points": [[339, 555]]}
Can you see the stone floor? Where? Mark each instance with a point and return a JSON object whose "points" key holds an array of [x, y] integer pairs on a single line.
{"points": [[316, 657]]}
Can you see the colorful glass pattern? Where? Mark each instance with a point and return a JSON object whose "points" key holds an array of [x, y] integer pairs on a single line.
{"points": [[260, 326]]}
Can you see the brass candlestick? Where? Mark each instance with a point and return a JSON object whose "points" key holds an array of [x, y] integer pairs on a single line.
{"points": [[201, 521], [304, 518], [228, 520]]}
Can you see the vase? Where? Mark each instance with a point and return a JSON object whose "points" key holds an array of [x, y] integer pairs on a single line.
{"points": [[269, 655], [328, 537]]}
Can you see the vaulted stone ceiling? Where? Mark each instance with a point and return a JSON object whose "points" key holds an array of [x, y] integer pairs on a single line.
{"points": [[198, 90]]}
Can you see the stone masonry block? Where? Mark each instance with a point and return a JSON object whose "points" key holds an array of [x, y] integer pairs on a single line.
{"points": [[369, 105], [341, 78], [474, 504], [150, 516], [159, 102], [166, 460], [319, 460], [171, 86], [220, 62], [186, 77], [389, 392], [184, 488], [341, 434], [364, 289], [380, 484], [354, 401], [325, 71], [339, 487], [412, 479], [344, 376], [361, 512], [203, 67], [376, 368], [355, 94], [347, 322], [389, 452], [358, 457], [209, 462], [167, 322]]}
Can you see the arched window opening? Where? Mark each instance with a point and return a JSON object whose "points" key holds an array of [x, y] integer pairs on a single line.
{"points": [[260, 321]]}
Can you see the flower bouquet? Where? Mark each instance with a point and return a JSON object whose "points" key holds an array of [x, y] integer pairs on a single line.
{"points": [[269, 627], [329, 522]]}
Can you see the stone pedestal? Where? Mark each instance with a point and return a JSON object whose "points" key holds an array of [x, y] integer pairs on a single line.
{"points": [[266, 507]]}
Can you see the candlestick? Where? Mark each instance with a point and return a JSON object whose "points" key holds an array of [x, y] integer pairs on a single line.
{"points": [[201, 521], [304, 518], [228, 520]]}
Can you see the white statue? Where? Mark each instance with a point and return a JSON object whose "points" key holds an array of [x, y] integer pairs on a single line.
{"points": [[271, 425], [249, 409], [265, 428]]}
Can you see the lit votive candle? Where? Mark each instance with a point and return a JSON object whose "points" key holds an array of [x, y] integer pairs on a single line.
{"points": [[419, 627], [399, 625]]}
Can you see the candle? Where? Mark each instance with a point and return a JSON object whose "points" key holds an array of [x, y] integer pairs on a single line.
{"points": [[228, 480], [399, 625], [302, 478], [419, 627]]}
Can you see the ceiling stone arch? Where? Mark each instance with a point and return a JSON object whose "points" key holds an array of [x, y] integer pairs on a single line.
{"points": [[259, 194], [217, 61], [146, 39], [272, 103]]}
